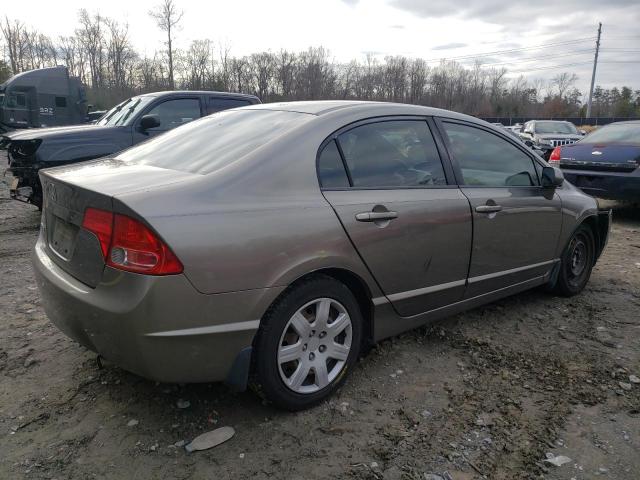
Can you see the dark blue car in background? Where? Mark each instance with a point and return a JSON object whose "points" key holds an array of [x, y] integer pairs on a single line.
{"points": [[605, 163]]}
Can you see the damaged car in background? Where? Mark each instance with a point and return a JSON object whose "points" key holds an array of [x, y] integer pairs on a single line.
{"points": [[133, 121], [272, 244]]}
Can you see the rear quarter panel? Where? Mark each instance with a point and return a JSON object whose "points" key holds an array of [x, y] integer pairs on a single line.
{"points": [[257, 223]]}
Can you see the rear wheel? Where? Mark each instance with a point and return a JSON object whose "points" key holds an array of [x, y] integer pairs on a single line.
{"points": [[576, 263], [307, 343]]}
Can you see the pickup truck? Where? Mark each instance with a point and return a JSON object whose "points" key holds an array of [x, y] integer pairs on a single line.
{"points": [[133, 121]]}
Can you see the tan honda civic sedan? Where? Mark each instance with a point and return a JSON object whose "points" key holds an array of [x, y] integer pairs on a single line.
{"points": [[271, 244]]}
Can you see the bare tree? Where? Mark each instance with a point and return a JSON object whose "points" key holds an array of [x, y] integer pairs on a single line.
{"points": [[91, 38], [563, 82], [197, 64], [13, 35], [167, 18], [101, 55], [119, 53]]}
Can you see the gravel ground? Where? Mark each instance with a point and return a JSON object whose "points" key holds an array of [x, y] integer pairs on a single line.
{"points": [[490, 393]]}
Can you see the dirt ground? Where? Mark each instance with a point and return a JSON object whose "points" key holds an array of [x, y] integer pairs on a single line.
{"points": [[490, 393]]}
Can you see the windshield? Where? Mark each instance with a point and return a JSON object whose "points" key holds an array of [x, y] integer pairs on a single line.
{"points": [[556, 127], [213, 142], [124, 113], [615, 133]]}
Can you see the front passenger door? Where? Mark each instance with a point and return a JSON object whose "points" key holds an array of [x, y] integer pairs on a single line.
{"points": [[516, 222]]}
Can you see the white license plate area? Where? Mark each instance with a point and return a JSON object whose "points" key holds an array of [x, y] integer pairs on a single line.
{"points": [[62, 238]]}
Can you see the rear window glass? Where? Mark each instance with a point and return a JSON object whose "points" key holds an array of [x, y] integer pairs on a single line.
{"points": [[218, 104], [213, 142], [560, 128], [622, 133]]}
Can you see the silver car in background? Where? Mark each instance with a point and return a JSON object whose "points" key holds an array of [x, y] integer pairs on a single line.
{"points": [[272, 243]]}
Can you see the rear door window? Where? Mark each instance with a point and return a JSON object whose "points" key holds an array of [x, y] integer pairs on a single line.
{"points": [[217, 104], [487, 160], [398, 153]]}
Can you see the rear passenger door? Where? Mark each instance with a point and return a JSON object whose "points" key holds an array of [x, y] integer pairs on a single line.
{"points": [[388, 185], [516, 222]]}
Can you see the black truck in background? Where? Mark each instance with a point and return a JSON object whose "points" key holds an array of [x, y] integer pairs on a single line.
{"points": [[47, 97], [133, 121]]}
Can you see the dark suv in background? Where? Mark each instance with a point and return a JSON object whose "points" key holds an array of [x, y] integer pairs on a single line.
{"points": [[548, 134], [133, 121]]}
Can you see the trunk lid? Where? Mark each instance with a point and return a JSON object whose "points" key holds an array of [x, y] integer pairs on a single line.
{"points": [[69, 191], [600, 157]]}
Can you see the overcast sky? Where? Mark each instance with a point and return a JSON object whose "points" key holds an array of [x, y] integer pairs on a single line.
{"points": [[430, 29]]}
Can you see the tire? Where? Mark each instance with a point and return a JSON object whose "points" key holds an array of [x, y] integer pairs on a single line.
{"points": [[285, 346], [576, 263]]}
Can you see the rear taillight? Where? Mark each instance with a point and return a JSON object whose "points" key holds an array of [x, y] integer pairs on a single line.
{"points": [[127, 244], [554, 158], [100, 223]]}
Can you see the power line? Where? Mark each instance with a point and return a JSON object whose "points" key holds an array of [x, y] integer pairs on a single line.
{"points": [[557, 67], [550, 67], [535, 59], [513, 50], [548, 57]]}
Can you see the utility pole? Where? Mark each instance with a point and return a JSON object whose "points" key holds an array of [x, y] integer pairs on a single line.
{"points": [[593, 75]]}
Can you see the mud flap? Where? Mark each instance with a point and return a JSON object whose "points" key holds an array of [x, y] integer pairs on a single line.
{"points": [[238, 376]]}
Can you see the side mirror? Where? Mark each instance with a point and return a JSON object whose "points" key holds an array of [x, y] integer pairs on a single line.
{"points": [[583, 132], [528, 143], [149, 121], [552, 177]]}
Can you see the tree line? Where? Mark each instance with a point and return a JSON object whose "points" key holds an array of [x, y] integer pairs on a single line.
{"points": [[101, 54]]}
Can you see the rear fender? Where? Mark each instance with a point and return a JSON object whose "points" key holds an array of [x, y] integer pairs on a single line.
{"points": [[603, 226]]}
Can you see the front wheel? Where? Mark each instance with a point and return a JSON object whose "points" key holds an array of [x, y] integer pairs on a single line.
{"points": [[307, 343], [576, 263]]}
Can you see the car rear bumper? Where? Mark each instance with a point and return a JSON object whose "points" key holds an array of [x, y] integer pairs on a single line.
{"points": [[160, 328], [609, 185]]}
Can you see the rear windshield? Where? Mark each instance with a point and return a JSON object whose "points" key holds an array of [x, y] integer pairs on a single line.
{"points": [[621, 133], [213, 142], [556, 127]]}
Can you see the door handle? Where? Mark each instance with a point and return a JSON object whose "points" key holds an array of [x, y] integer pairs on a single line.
{"points": [[376, 216], [488, 208]]}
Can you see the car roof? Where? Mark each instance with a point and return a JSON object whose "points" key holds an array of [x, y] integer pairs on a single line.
{"points": [[364, 108], [632, 122], [551, 120], [198, 92]]}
